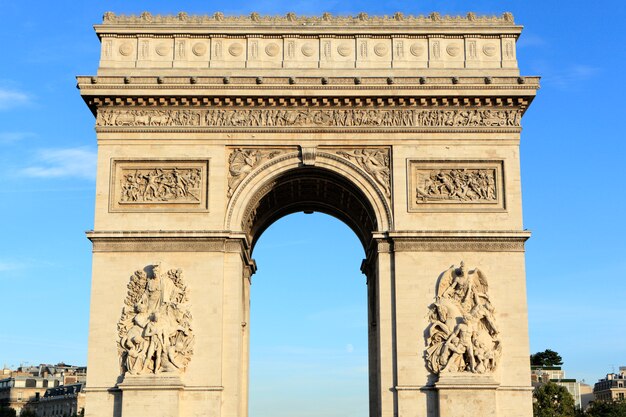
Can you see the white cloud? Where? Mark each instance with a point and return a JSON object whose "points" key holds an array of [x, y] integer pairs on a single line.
{"points": [[12, 98], [10, 137], [569, 76], [8, 266], [70, 162]]}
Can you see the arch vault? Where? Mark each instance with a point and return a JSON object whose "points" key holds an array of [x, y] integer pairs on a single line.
{"points": [[210, 128]]}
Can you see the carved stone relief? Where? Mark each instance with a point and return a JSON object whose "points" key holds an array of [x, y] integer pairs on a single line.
{"points": [[309, 118], [242, 161], [160, 185], [155, 334], [462, 335], [455, 185], [375, 161], [107, 45]]}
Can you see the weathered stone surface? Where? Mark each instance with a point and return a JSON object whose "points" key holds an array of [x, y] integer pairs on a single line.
{"points": [[328, 116]]}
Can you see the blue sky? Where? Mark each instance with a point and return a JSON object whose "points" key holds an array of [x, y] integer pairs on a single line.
{"points": [[572, 154]]}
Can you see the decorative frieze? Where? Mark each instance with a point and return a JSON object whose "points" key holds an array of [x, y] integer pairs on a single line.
{"points": [[462, 336], [310, 118], [437, 244], [155, 334], [455, 185], [159, 185], [375, 161]]}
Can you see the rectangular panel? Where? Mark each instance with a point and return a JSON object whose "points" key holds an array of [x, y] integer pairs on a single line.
{"points": [[449, 185], [159, 185]]}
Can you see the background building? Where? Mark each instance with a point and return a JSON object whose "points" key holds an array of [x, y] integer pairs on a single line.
{"points": [[65, 400], [25, 386], [543, 374], [611, 388]]}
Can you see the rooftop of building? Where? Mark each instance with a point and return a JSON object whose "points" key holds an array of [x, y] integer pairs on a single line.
{"points": [[326, 19], [63, 390]]}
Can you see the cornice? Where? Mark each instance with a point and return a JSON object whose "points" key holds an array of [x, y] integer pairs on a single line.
{"points": [[459, 241], [377, 92], [322, 102], [167, 241], [291, 83], [293, 20]]}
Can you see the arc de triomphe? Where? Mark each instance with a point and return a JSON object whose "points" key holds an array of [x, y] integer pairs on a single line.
{"points": [[210, 128]]}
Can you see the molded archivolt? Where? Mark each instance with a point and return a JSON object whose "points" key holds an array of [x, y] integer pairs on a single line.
{"points": [[285, 185]]}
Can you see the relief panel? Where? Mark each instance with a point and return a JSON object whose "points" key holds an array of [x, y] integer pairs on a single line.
{"points": [[310, 118], [154, 332], [242, 161], [301, 52], [469, 185], [375, 161], [462, 336], [410, 52], [159, 185]]}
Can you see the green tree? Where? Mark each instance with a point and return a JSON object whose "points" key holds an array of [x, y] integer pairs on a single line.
{"points": [[546, 358], [27, 412], [7, 412], [552, 400], [606, 409]]}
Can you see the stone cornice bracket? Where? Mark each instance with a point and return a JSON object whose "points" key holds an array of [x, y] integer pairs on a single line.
{"points": [[308, 154], [291, 19], [380, 243]]}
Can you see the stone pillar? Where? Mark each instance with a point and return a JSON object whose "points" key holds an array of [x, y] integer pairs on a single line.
{"points": [[234, 360], [245, 329], [385, 324]]}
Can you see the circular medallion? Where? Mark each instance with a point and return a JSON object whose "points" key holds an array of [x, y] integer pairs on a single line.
{"points": [[272, 49], [417, 49], [381, 49], [453, 49], [235, 49], [489, 49], [307, 50], [199, 49], [344, 49], [126, 49], [162, 49]]}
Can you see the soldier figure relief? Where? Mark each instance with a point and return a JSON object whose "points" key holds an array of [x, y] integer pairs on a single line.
{"points": [[155, 334], [462, 335]]}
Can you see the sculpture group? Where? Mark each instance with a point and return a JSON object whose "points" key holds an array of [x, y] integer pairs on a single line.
{"points": [[462, 335], [161, 185], [155, 334], [458, 185]]}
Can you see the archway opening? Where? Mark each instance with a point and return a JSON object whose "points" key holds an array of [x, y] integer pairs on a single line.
{"points": [[308, 190], [324, 191], [309, 320]]}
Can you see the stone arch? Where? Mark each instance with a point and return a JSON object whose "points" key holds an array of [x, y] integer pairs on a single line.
{"points": [[285, 185]]}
